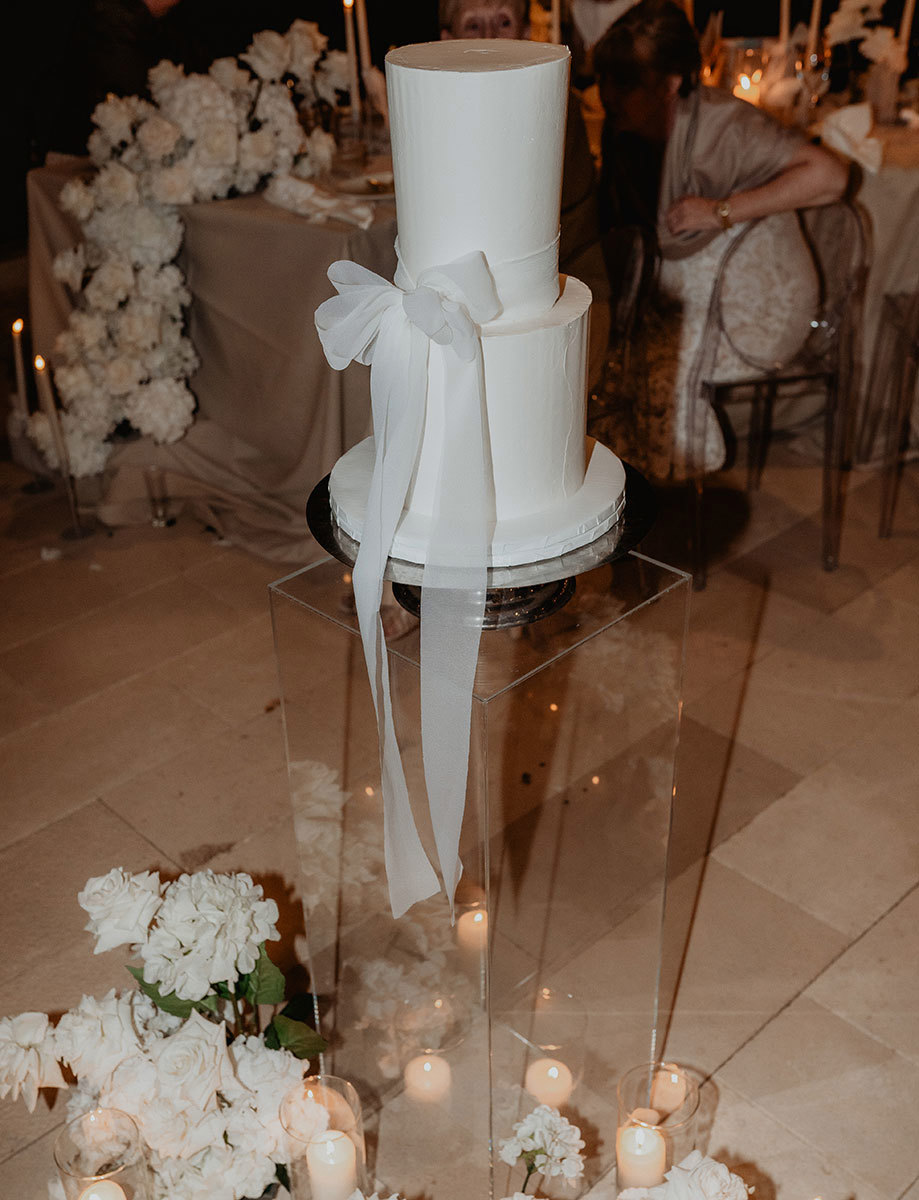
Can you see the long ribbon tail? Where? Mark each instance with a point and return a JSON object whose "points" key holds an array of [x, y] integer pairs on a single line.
{"points": [[452, 608], [397, 424]]}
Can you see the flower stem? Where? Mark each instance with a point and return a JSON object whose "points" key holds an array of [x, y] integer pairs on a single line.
{"points": [[237, 1015], [530, 1171]]}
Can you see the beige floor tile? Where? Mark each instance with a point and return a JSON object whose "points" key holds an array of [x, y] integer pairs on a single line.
{"points": [[735, 621], [853, 854], [775, 1160], [58, 763], [47, 870], [234, 676], [902, 585], [237, 579], [26, 1174], [17, 707], [801, 730], [107, 646], [748, 953], [202, 802], [840, 1090], [721, 786], [873, 985]]}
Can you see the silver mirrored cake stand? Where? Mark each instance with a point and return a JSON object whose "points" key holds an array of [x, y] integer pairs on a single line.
{"points": [[516, 595]]}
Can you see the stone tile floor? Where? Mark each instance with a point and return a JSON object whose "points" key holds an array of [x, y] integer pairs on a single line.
{"points": [[140, 725]]}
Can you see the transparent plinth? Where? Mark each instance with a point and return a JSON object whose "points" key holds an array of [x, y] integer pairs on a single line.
{"points": [[547, 988]]}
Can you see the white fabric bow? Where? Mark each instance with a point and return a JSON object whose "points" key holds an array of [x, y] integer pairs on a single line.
{"points": [[395, 328]]}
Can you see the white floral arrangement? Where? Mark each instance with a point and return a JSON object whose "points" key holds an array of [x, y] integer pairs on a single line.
{"points": [[879, 43], [695, 1178], [125, 356], [184, 1053], [547, 1145]]}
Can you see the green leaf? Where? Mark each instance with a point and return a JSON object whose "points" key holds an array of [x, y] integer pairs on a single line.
{"points": [[265, 983], [283, 1175], [300, 1008], [208, 1004], [296, 1037], [270, 1037], [169, 1003]]}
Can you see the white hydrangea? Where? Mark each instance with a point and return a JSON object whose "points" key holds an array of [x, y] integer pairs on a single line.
{"points": [[161, 409], [268, 55], [171, 185], [332, 76], [86, 454], [123, 374], [97, 1035], [137, 325], [208, 930], [27, 1057], [120, 906], [230, 75], [110, 285], [78, 199], [158, 137], [115, 186], [548, 1143], [306, 44], [266, 1077], [115, 118]]}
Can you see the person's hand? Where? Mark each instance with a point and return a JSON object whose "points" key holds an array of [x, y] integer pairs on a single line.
{"points": [[690, 213]]}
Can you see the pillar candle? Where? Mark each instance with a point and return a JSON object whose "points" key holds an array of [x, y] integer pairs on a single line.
{"points": [[813, 30], [21, 396], [641, 1157], [555, 29], [353, 87], [427, 1077], [331, 1161], [49, 408], [784, 23], [906, 24], [363, 37], [549, 1081]]}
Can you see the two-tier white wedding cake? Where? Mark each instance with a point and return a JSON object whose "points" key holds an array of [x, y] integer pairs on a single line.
{"points": [[478, 138]]}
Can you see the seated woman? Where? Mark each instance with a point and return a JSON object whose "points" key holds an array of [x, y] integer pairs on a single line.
{"points": [[689, 166]]}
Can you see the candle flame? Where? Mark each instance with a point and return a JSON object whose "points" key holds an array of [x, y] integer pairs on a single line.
{"points": [[478, 918], [18, 325], [426, 1066], [39, 363], [745, 82], [349, 3], [552, 1072]]}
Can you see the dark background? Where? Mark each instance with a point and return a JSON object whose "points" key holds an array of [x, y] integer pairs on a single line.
{"points": [[46, 95]]}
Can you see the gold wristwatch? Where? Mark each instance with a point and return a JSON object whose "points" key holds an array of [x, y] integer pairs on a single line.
{"points": [[723, 213]]}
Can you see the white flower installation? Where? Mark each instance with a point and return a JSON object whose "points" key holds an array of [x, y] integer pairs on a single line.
{"points": [[547, 1144], [184, 1053], [695, 1178], [126, 356]]}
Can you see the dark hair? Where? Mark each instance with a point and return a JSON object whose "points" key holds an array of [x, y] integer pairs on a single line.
{"points": [[655, 36]]}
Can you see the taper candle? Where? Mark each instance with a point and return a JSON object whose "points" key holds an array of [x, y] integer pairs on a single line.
{"points": [[354, 90], [784, 23], [906, 23], [21, 397], [555, 28], [363, 37], [813, 30], [49, 408]]}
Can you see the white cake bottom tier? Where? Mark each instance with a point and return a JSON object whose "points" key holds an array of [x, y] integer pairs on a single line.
{"points": [[535, 400], [575, 521]]}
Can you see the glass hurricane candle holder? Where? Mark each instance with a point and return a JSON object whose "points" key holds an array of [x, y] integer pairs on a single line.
{"points": [[657, 1103], [428, 1031], [325, 1163], [100, 1156], [547, 1027]]}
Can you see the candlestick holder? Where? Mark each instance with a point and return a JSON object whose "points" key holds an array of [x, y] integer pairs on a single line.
{"points": [[658, 1103], [100, 1156], [327, 1163]]}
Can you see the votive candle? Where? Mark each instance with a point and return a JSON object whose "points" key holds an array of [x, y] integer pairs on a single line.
{"points": [[472, 929], [105, 1189], [668, 1089]]}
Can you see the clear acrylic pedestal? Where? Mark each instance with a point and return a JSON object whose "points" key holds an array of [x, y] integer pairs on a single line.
{"points": [[547, 988]]}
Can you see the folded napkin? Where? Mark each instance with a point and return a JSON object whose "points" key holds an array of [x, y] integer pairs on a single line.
{"points": [[848, 130], [316, 203]]}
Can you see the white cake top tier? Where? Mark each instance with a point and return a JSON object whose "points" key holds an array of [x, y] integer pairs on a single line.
{"points": [[478, 131]]}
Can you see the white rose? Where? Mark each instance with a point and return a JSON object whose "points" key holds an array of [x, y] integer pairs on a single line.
{"points": [[178, 1130], [122, 375], [163, 78], [86, 454], [172, 185], [229, 74], [114, 117], [306, 44], [163, 409], [89, 329], [27, 1057], [193, 1062], [120, 907], [74, 383], [714, 1181], [332, 76], [96, 1036], [130, 1087], [158, 137], [269, 55], [137, 325]]}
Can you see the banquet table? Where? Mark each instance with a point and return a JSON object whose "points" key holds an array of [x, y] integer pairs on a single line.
{"points": [[273, 417]]}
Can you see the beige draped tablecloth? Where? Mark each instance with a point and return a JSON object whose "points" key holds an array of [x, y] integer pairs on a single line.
{"points": [[273, 417]]}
